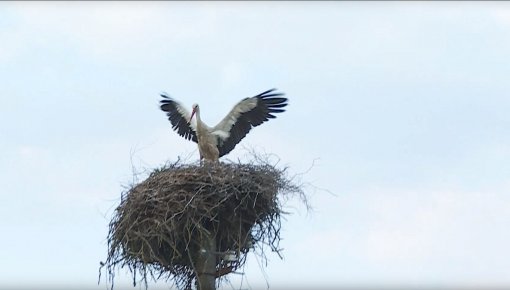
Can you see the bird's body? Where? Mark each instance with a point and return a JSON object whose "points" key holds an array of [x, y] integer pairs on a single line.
{"points": [[207, 141], [214, 142]]}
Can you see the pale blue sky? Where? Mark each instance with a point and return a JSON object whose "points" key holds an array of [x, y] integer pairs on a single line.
{"points": [[404, 106]]}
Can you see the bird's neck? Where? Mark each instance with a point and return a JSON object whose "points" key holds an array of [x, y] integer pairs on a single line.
{"points": [[200, 126], [197, 117]]}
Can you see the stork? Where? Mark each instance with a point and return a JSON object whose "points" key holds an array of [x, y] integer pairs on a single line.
{"points": [[214, 142]]}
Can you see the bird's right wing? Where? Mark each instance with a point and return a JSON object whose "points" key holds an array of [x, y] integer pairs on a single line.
{"points": [[248, 113], [179, 117]]}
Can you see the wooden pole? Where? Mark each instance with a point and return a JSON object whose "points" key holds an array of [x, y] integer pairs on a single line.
{"points": [[206, 263]]}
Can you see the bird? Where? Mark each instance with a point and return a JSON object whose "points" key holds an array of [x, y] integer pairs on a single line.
{"points": [[215, 142]]}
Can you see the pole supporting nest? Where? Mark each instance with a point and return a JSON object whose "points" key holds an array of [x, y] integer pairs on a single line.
{"points": [[206, 263]]}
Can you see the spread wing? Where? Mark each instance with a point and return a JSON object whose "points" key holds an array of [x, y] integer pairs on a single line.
{"points": [[245, 115], [179, 118]]}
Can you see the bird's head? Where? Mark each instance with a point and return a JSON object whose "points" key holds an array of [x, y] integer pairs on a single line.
{"points": [[194, 109]]}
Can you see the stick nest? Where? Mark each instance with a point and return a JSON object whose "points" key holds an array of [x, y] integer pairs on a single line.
{"points": [[157, 227]]}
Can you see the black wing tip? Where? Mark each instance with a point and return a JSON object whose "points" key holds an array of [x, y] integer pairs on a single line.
{"points": [[275, 104], [274, 99], [166, 100], [268, 93], [165, 105], [165, 95], [271, 110]]}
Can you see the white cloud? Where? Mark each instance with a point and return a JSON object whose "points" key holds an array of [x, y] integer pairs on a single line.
{"points": [[9, 48], [111, 31], [31, 154], [410, 237], [232, 74], [501, 13]]}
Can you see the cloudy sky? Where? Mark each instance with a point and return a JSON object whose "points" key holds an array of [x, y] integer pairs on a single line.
{"points": [[402, 108]]}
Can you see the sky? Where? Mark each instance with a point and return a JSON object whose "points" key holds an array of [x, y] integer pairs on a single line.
{"points": [[397, 122]]}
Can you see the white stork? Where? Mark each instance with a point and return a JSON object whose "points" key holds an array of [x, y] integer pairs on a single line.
{"points": [[214, 142]]}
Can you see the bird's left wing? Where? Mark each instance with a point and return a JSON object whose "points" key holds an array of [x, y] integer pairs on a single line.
{"points": [[246, 114], [179, 117]]}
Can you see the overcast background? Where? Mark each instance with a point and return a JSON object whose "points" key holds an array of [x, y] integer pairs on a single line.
{"points": [[403, 108]]}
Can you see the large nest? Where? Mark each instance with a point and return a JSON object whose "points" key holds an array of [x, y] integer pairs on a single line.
{"points": [[158, 226]]}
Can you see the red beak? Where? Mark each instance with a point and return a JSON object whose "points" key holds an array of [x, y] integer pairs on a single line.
{"points": [[192, 114]]}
